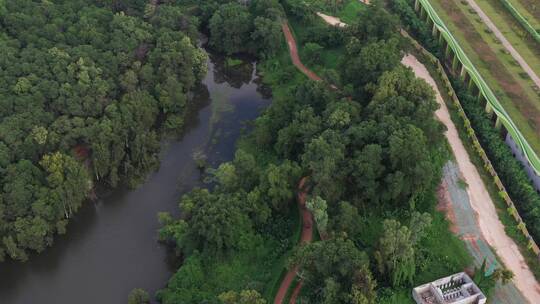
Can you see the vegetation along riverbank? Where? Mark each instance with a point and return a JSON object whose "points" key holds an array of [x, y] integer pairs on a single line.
{"points": [[373, 151]]}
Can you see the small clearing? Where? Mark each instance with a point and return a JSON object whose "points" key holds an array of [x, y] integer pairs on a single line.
{"points": [[334, 21]]}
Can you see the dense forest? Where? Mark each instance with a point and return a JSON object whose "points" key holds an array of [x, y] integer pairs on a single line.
{"points": [[86, 90], [89, 87], [372, 154]]}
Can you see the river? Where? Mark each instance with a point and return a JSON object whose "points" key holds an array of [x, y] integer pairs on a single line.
{"points": [[111, 245]]}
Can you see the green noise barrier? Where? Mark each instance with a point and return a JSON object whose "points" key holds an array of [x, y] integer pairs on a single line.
{"points": [[485, 91], [524, 23]]}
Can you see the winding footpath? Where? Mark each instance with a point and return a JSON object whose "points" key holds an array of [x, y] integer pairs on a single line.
{"points": [[306, 237], [507, 45], [307, 219], [293, 50]]}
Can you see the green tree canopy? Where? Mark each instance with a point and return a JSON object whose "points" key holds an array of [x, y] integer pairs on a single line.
{"points": [[337, 269], [230, 27]]}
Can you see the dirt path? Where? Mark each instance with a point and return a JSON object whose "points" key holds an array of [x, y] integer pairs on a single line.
{"points": [[306, 237], [487, 220], [507, 45], [307, 219], [293, 50], [296, 293]]}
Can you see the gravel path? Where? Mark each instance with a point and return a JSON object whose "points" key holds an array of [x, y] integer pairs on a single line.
{"points": [[488, 222], [507, 45]]}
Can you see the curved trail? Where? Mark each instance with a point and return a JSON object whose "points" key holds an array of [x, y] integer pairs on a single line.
{"points": [[487, 219], [306, 237], [307, 219], [293, 50]]}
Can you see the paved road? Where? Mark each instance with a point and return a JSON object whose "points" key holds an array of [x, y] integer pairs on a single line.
{"points": [[491, 228], [507, 45]]}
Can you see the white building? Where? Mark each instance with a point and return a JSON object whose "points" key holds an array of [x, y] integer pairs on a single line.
{"points": [[454, 289]]}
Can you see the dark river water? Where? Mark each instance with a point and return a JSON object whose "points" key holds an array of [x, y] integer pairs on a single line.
{"points": [[111, 245]]}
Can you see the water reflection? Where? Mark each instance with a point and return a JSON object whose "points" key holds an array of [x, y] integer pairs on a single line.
{"points": [[111, 246]]}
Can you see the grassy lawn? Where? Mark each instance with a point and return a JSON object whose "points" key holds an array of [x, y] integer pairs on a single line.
{"points": [[349, 12], [503, 75], [346, 12], [279, 268]]}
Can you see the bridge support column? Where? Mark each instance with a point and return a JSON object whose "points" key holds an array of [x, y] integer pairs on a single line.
{"points": [[489, 108], [503, 131], [498, 123], [455, 62], [470, 85], [463, 72], [447, 51], [442, 41], [423, 13], [434, 30], [416, 5]]}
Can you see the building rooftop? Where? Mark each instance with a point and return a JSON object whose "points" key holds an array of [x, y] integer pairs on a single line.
{"points": [[455, 289]]}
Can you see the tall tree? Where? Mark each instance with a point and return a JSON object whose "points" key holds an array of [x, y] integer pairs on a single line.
{"points": [[395, 255], [230, 27], [318, 207], [337, 270], [267, 36]]}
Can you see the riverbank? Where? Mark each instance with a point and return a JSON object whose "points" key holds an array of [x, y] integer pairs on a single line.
{"points": [[112, 243]]}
